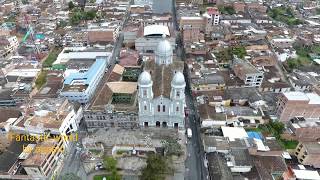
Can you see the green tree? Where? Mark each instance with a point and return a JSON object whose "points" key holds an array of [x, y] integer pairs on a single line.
{"points": [[90, 15], [70, 5], [156, 168], [110, 164]]}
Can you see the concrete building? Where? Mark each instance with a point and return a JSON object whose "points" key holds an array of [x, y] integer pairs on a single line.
{"points": [[212, 18], [148, 39], [8, 45], [282, 42], [191, 28], [248, 73], [41, 160], [115, 106], [79, 54], [161, 94], [305, 130], [309, 154], [103, 33], [81, 86], [54, 116], [298, 104]]}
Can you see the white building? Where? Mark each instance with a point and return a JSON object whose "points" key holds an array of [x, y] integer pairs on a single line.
{"points": [[161, 93], [81, 86], [8, 45]]}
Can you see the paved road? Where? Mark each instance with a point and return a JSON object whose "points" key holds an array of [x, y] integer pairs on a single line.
{"points": [[195, 169]]}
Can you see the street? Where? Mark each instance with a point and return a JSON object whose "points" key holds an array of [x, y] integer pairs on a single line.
{"points": [[195, 168]]}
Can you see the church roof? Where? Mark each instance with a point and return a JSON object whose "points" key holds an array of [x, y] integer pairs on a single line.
{"points": [[164, 48], [162, 76], [144, 78], [178, 79]]}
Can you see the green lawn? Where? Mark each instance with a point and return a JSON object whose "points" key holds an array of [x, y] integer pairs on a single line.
{"points": [[51, 58], [100, 177], [41, 79]]}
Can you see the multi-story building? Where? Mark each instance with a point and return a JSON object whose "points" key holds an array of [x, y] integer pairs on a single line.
{"points": [[53, 116], [282, 42], [191, 28], [298, 104], [308, 154], [248, 73], [305, 130], [161, 94], [114, 106], [42, 160], [81, 86], [103, 33], [8, 45]]}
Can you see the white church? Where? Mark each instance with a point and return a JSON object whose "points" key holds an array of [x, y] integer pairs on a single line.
{"points": [[161, 93]]}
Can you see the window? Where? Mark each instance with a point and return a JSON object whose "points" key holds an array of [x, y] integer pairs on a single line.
{"points": [[164, 108], [177, 108], [145, 107], [158, 108], [178, 93], [144, 93]]}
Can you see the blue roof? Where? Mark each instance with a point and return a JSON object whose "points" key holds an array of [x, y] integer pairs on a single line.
{"points": [[253, 134], [90, 75]]}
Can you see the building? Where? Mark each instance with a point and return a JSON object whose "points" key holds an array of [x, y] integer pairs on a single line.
{"points": [[298, 104], [56, 116], [161, 94], [78, 54], [115, 106], [8, 44], [41, 160], [308, 154], [148, 39], [191, 28], [212, 18], [282, 42], [103, 33], [81, 86], [248, 73], [305, 130]]}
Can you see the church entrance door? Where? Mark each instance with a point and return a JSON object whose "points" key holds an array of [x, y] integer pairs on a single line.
{"points": [[164, 124]]}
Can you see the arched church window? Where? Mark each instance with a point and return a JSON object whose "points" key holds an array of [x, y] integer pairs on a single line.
{"points": [[159, 108], [178, 93], [144, 93], [177, 108]]}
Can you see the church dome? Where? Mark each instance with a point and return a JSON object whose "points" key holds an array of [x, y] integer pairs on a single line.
{"points": [[144, 78], [164, 48], [178, 79]]}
